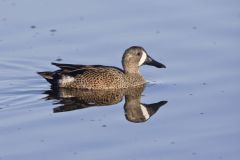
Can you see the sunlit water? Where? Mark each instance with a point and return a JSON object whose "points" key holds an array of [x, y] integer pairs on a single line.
{"points": [[197, 41]]}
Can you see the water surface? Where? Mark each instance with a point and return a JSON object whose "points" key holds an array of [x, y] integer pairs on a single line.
{"points": [[197, 41]]}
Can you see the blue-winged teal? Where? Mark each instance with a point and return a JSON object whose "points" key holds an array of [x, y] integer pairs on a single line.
{"points": [[71, 99], [103, 77]]}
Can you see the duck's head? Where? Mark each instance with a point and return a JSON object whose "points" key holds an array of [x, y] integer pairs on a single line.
{"points": [[136, 56]]}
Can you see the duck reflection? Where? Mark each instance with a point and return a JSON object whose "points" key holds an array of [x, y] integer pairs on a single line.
{"points": [[135, 111]]}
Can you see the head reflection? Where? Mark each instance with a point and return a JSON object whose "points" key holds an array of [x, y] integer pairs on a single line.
{"points": [[135, 111]]}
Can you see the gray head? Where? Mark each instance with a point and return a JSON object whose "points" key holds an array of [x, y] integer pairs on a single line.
{"points": [[136, 56]]}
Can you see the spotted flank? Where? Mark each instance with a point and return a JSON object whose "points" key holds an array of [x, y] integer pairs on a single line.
{"points": [[98, 77], [66, 80]]}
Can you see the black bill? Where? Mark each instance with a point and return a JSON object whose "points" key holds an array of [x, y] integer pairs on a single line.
{"points": [[152, 62]]}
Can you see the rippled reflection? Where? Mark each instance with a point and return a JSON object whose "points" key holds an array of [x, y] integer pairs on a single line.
{"points": [[135, 111]]}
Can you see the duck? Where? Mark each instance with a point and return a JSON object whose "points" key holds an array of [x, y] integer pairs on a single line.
{"points": [[70, 99], [101, 77]]}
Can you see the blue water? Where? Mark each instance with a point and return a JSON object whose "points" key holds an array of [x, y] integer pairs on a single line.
{"points": [[197, 41]]}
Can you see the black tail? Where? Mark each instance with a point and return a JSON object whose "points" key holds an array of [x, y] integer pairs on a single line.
{"points": [[49, 76]]}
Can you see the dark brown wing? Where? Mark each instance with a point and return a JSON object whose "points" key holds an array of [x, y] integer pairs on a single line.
{"points": [[73, 67]]}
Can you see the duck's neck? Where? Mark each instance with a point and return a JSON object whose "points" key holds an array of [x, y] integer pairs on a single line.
{"points": [[131, 70]]}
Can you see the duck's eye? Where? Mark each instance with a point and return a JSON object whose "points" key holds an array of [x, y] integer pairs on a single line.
{"points": [[139, 53]]}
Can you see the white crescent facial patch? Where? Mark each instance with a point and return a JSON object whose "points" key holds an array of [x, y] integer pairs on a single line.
{"points": [[144, 111], [143, 58]]}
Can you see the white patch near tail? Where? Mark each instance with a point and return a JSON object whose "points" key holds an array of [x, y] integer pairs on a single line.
{"points": [[144, 111], [66, 79], [143, 58]]}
